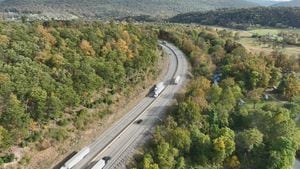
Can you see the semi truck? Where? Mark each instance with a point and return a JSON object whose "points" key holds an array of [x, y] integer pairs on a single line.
{"points": [[99, 165], [158, 89], [76, 158], [176, 80]]}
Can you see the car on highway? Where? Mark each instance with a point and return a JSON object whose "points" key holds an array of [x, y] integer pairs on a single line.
{"points": [[106, 158], [139, 121]]}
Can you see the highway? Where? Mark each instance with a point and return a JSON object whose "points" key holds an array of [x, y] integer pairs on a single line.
{"points": [[121, 139]]}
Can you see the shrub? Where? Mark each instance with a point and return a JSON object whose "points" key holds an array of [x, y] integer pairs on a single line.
{"points": [[58, 134]]}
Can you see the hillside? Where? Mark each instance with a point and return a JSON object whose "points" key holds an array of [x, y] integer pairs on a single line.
{"points": [[52, 72], [228, 123], [243, 18], [294, 3], [115, 8]]}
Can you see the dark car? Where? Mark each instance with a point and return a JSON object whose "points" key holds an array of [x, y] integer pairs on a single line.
{"points": [[106, 158], [138, 121]]}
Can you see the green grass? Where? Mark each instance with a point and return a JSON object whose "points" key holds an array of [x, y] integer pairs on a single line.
{"points": [[265, 31], [272, 31], [253, 45]]}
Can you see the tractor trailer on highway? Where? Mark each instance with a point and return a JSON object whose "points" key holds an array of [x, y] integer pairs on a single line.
{"points": [[76, 158], [99, 165], [159, 88]]}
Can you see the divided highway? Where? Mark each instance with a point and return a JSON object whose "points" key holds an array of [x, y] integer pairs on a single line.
{"points": [[120, 140]]}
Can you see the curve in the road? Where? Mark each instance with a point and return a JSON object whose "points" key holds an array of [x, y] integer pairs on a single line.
{"points": [[112, 134], [122, 153]]}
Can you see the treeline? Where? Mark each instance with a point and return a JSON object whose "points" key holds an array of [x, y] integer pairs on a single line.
{"points": [[225, 122], [281, 39], [51, 71], [280, 17]]}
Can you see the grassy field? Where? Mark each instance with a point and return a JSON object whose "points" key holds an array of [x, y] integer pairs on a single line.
{"points": [[253, 45], [265, 31], [272, 31]]}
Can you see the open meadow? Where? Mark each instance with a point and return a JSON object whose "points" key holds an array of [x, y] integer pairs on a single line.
{"points": [[254, 45]]}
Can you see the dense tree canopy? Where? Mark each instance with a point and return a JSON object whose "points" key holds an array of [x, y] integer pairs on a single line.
{"points": [[49, 68], [244, 18], [223, 120]]}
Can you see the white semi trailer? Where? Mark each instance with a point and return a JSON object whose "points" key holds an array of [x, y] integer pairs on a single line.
{"points": [[99, 165], [158, 89], [76, 158]]}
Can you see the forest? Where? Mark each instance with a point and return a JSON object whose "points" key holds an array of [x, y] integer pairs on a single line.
{"points": [[280, 17], [51, 72], [105, 9], [238, 111]]}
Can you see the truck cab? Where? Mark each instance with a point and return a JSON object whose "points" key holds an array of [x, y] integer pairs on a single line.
{"points": [[158, 89], [176, 80]]}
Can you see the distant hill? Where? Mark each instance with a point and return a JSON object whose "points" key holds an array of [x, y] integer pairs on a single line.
{"points": [[293, 3], [116, 8], [243, 18], [264, 2]]}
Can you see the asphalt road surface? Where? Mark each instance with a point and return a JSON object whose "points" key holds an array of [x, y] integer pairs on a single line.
{"points": [[120, 140]]}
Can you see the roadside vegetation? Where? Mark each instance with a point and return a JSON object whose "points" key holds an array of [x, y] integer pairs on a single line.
{"points": [[239, 111], [52, 72]]}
